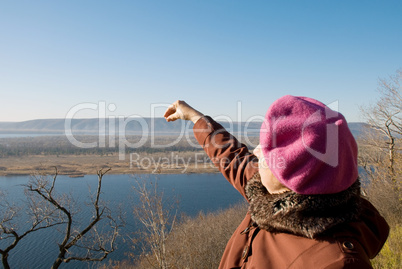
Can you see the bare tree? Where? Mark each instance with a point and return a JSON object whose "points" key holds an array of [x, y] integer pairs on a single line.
{"points": [[99, 245], [158, 215], [380, 148], [40, 216], [46, 209], [385, 126]]}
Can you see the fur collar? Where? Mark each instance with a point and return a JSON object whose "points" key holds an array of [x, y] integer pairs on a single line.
{"points": [[304, 215]]}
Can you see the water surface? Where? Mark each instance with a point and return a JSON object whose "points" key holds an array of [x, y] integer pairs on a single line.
{"points": [[195, 192]]}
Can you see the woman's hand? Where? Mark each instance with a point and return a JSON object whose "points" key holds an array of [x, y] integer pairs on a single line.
{"points": [[181, 110]]}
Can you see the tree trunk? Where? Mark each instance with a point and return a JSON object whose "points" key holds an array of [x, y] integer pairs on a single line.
{"points": [[4, 260], [392, 158], [59, 259], [57, 263]]}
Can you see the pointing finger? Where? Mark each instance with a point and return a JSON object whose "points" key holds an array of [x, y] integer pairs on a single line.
{"points": [[172, 117], [169, 111]]}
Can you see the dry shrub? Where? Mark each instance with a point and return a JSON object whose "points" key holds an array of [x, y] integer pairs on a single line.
{"points": [[195, 242], [386, 197], [199, 242], [391, 254], [125, 264], [384, 191]]}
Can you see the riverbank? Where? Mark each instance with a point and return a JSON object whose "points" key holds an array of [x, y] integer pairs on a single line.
{"points": [[135, 163]]}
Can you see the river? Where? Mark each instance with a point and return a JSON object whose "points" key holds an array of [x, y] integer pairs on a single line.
{"points": [[195, 192]]}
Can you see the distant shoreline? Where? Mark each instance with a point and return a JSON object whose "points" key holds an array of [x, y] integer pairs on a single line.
{"points": [[81, 165]]}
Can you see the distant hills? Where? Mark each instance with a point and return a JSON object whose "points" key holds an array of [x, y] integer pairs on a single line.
{"points": [[158, 126]]}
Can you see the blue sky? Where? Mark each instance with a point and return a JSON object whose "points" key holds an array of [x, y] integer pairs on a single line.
{"points": [[139, 55]]}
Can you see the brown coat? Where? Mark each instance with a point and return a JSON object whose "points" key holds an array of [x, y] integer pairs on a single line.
{"points": [[346, 245]]}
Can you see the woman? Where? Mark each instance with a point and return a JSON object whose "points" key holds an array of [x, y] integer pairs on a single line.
{"points": [[301, 182]]}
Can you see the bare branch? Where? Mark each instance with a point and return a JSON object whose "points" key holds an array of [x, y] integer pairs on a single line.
{"points": [[385, 117], [47, 209], [158, 217]]}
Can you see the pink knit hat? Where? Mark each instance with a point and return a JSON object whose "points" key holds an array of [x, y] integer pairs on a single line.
{"points": [[308, 147]]}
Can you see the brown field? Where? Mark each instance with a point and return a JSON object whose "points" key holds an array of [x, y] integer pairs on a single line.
{"points": [[79, 165]]}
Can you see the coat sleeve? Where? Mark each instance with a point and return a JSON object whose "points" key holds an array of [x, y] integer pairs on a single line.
{"points": [[232, 158]]}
